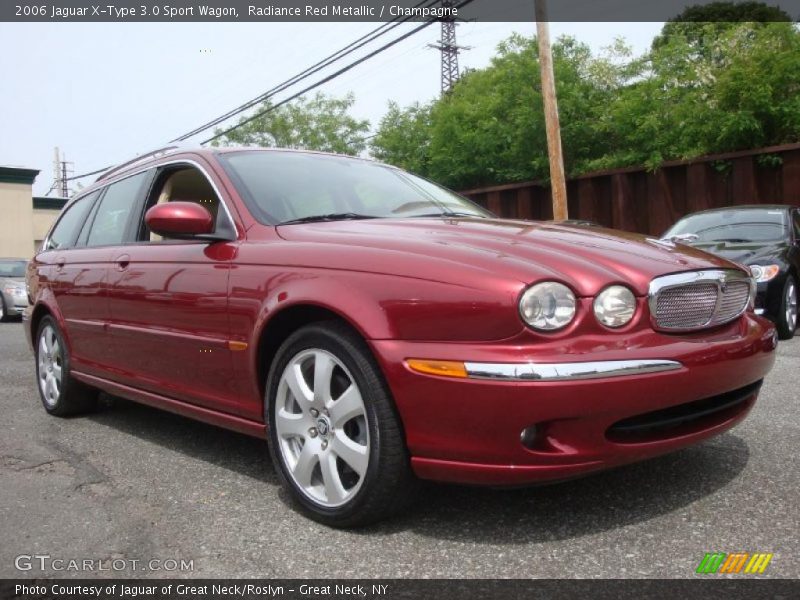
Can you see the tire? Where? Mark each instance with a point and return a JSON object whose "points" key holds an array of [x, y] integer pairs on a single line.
{"points": [[60, 393], [787, 318], [3, 315], [344, 465]]}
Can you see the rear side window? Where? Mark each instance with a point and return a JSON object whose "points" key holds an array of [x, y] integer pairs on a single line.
{"points": [[112, 216], [66, 230]]}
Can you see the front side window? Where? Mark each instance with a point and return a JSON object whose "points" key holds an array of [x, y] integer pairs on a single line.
{"points": [[66, 230], [285, 186], [184, 184], [735, 226], [111, 218]]}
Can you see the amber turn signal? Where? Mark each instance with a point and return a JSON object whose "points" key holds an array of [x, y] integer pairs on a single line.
{"points": [[444, 368]]}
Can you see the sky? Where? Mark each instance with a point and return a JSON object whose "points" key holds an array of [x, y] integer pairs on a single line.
{"points": [[105, 92]]}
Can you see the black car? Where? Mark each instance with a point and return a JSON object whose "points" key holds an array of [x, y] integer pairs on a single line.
{"points": [[764, 237]]}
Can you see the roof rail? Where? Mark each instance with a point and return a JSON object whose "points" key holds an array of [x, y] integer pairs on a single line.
{"points": [[142, 158]]}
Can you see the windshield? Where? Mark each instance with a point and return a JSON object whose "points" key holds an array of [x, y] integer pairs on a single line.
{"points": [[292, 186], [12, 268], [734, 226]]}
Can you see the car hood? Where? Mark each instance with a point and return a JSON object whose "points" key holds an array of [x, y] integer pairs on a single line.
{"points": [[466, 249], [745, 253], [12, 280]]}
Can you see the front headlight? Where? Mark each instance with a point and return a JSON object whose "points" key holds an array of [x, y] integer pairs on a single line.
{"points": [[615, 306], [547, 306], [763, 273]]}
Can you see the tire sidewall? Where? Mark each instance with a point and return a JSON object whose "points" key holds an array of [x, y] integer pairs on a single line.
{"points": [[320, 338]]}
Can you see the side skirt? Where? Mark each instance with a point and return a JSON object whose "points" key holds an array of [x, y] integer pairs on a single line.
{"points": [[198, 413]]}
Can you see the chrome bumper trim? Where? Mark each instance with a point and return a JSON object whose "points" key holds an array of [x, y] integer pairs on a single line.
{"points": [[567, 371]]}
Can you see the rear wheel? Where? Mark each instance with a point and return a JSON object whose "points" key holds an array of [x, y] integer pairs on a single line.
{"points": [[3, 316], [787, 319], [61, 394], [335, 439]]}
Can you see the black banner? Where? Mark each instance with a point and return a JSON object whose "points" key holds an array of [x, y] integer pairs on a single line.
{"points": [[349, 10], [709, 588]]}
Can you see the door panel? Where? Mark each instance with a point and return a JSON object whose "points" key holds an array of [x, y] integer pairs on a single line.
{"points": [[78, 282], [169, 321]]}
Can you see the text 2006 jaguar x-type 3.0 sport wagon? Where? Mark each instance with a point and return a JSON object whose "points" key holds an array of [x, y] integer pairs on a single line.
{"points": [[378, 329]]}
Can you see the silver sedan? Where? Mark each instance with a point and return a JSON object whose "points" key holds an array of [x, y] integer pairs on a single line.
{"points": [[13, 294]]}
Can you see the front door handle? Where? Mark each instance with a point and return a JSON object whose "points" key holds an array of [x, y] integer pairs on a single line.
{"points": [[122, 262], [60, 262]]}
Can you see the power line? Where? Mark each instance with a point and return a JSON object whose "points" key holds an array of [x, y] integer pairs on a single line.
{"points": [[82, 175], [319, 65], [306, 73], [303, 75], [327, 79]]}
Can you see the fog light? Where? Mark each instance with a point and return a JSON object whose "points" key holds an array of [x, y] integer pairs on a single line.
{"points": [[528, 437]]}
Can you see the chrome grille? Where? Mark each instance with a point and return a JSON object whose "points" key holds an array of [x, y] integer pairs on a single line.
{"points": [[733, 302], [687, 306], [698, 299]]}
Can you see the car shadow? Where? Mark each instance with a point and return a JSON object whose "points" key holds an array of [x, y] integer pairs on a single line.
{"points": [[600, 502], [230, 450], [593, 504]]}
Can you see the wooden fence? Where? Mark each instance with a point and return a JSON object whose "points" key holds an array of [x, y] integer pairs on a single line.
{"points": [[634, 199]]}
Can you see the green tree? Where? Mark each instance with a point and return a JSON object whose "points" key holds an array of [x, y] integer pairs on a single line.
{"points": [[318, 123], [403, 137], [490, 127], [693, 23], [740, 92], [700, 90]]}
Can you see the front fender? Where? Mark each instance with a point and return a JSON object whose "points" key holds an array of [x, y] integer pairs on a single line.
{"points": [[379, 306]]}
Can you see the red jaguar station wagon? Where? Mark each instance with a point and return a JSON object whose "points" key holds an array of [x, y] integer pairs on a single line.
{"points": [[378, 329]]}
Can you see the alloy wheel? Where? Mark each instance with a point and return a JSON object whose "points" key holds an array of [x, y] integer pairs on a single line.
{"points": [[791, 306], [50, 365], [321, 426]]}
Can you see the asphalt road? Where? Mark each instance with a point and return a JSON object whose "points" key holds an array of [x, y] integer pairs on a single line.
{"points": [[135, 483]]}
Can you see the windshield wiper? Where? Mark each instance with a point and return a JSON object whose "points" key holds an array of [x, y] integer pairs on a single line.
{"points": [[345, 216], [446, 214], [734, 240]]}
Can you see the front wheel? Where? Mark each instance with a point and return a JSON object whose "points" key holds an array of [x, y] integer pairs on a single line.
{"points": [[787, 319], [335, 439]]}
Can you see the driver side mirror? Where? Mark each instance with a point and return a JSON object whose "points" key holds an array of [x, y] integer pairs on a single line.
{"points": [[179, 220]]}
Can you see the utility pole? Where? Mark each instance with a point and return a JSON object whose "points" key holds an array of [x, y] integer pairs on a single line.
{"points": [[558, 184], [449, 49]]}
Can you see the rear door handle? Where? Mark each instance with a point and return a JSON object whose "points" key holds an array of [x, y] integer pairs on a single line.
{"points": [[60, 262], [122, 262]]}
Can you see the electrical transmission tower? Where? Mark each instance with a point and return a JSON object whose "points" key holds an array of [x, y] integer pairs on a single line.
{"points": [[61, 172], [449, 49]]}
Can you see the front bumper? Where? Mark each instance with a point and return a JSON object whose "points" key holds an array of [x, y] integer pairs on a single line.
{"points": [[769, 297], [471, 430]]}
